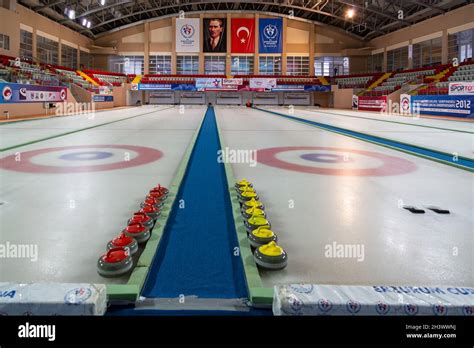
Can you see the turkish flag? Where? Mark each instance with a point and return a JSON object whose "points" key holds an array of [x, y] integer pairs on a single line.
{"points": [[243, 35]]}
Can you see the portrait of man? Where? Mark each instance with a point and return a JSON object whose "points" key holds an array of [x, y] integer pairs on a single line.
{"points": [[214, 35]]}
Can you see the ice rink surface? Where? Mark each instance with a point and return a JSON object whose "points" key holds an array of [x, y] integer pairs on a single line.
{"points": [[334, 191]]}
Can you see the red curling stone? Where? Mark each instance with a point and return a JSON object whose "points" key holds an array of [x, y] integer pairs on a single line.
{"points": [[141, 218], [123, 241], [115, 262], [138, 231]]}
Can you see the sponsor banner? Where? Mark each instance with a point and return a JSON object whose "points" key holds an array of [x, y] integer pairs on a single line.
{"points": [[232, 82], [355, 102], [153, 86], [134, 86], [205, 84], [405, 104], [300, 88], [165, 87], [215, 39], [263, 83], [317, 88], [243, 35], [187, 35], [270, 31], [372, 103], [288, 88], [378, 300], [443, 105], [20, 93], [461, 88], [105, 90], [103, 98]]}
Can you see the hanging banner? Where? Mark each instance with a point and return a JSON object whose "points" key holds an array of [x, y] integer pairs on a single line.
{"points": [[232, 82], [187, 35], [208, 84], [270, 32], [22, 93], [215, 39], [243, 35], [263, 83]]}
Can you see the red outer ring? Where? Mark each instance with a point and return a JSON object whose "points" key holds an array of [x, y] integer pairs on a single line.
{"points": [[145, 155], [391, 165]]}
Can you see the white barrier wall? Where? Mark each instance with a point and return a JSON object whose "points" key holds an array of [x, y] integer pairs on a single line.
{"points": [[296, 99], [192, 98], [229, 98], [53, 299], [265, 99], [162, 98], [313, 299]]}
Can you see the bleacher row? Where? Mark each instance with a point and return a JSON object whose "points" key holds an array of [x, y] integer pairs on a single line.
{"points": [[106, 78], [397, 80], [356, 81]]}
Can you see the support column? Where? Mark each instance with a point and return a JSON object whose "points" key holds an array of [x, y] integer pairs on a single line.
{"points": [[173, 46], [228, 57], [410, 59], [256, 60], [312, 37], [384, 66], [201, 53], [34, 45], [444, 47], [146, 48], [283, 53], [60, 51]]}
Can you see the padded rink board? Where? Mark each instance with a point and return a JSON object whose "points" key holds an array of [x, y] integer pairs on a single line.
{"points": [[309, 299], [53, 299]]}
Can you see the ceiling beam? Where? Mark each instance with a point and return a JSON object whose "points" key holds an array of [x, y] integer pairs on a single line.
{"points": [[40, 8], [422, 3]]}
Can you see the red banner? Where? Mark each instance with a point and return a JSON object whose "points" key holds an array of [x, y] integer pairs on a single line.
{"points": [[243, 35], [373, 103]]}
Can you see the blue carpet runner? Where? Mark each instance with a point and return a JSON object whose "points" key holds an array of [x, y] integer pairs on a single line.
{"points": [[196, 252]]}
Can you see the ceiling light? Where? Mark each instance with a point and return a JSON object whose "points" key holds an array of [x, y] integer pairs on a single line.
{"points": [[88, 24], [72, 14], [350, 13], [102, 2], [84, 21]]}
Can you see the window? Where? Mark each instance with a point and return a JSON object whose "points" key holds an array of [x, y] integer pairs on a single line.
{"points": [[397, 59], [47, 50], [460, 45], [375, 62], [331, 65], [26, 44], [4, 41], [126, 64], [86, 60], [160, 65], [68, 56], [269, 65], [427, 53], [214, 65], [241, 65], [297, 65], [187, 65]]}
